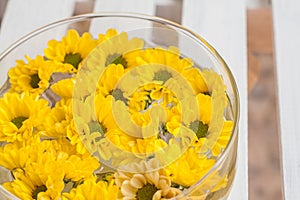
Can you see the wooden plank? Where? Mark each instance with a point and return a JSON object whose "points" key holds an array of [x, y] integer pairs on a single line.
{"points": [[21, 17], [2, 8], [286, 17], [222, 24], [133, 6]]}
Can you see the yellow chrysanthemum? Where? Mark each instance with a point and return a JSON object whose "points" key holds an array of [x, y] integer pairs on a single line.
{"points": [[19, 156], [90, 189], [120, 139], [142, 118], [54, 148], [195, 78], [189, 168], [141, 147], [150, 94], [167, 57], [205, 108], [86, 83], [21, 116], [220, 144], [93, 120], [148, 183], [109, 79], [44, 182], [74, 138], [76, 166], [147, 145], [71, 50], [103, 109], [64, 88], [33, 76], [223, 139], [140, 133], [213, 182], [14, 156], [96, 113], [111, 50], [56, 123], [109, 34], [174, 121]]}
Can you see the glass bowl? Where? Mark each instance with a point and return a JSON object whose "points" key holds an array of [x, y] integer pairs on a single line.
{"points": [[173, 106]]}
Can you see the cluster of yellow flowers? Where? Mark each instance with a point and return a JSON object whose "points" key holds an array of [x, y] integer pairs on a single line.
{"points": [[110, 100]]}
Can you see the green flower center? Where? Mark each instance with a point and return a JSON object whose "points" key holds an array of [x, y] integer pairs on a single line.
{"points": [[199, 128], [146, 192], [162, 75], [37, 190], [73, 59], [95, 126], [118, 95], [116, 59], [34, 81], [18, 121]]}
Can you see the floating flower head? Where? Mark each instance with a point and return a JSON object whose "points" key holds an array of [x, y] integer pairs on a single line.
{"points": [[59, 118], [109, 79], [111, 50], [220, 144], [21, 116], [44, 182], [168, 57], [33, 76], [71, 50], [148, 183], [19, 155], [14, 156], [64, 88], [189, 168], [108, 35], [91, 189], [103, 111], [93, 121], [76, 166]]}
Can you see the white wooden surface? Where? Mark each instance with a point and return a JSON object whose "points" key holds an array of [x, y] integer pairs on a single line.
{"points": [[22, 17], [286, 16], [223, 25], [221, 22], [133, 6]]}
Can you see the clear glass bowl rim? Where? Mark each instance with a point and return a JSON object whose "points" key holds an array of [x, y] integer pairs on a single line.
{"points": [[184, 30]]}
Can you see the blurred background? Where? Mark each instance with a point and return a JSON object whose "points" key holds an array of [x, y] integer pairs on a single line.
{"points": [[265, 181]]}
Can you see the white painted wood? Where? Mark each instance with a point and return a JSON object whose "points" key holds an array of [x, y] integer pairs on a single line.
{"points": [[223, 25], [22, 17], [286, 16], [133, 6]]}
